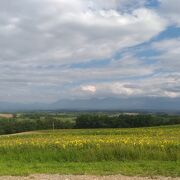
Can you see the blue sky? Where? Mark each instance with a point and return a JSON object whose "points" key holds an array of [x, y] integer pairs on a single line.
{"points": [[79, 49]]}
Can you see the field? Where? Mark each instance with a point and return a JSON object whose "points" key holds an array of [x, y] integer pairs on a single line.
{"points": [[138, 151], [6, 116]]}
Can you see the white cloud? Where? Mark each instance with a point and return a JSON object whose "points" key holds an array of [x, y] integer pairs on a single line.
{"points": [[156, 86], [169, 58], [171, 10], [89, 88], [40, 40], [70, 31]]}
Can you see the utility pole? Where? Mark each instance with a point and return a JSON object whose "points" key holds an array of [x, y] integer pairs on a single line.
{"points": [[53, 125]]}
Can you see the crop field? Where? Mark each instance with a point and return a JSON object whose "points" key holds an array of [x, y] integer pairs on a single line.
{"points": [[139, 151]]}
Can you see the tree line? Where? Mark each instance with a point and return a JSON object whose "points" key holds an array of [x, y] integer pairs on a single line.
{"points": [[125, 121], [15, 125], [31, 123]]}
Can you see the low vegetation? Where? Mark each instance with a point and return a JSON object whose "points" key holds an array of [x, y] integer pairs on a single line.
{"points": [[135, 151]]}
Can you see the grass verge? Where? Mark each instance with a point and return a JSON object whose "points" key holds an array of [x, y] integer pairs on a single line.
{"points": [[130, 168]]}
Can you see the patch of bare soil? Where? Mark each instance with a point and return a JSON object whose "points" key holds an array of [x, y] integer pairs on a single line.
{"points": [[6, 116], [84, 177]]}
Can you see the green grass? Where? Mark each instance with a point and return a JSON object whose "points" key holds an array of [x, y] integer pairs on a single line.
{"points": [[130, 168], [139, 151]]}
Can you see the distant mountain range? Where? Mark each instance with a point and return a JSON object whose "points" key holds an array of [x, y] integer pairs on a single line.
{"points": [[128, 104]]}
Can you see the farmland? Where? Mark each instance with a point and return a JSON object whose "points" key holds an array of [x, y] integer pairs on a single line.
{"points": [[129, 151], [6, 116]]}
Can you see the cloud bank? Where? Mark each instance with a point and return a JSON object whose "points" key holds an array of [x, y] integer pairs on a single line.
{"points": [[56, 49]]}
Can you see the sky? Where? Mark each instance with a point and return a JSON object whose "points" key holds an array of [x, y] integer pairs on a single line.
{"points": [[79, 49]]}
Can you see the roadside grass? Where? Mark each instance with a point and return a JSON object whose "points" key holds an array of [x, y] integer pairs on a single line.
{"points": [[140, 151], [129, 168]]}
